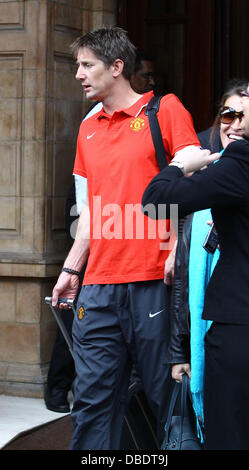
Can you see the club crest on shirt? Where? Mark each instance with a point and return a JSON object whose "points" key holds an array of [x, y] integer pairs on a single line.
{"points": [[137, 124], [81, 313]]}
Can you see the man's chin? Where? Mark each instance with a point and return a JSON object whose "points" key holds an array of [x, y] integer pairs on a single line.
{"points": [[92, 96], [89, 96]]}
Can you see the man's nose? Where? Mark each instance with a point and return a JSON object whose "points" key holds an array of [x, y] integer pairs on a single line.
{"points": [[152, 81], [79, 74]]}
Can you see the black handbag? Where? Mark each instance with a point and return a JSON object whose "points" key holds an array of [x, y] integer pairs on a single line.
{"points": [[180, 431]]}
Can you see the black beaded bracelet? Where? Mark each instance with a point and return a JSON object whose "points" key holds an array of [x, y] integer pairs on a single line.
{"points": [[70, 271]]}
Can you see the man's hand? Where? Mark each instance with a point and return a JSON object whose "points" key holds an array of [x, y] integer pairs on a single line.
{"points": [[169, 267], [178, 370], [66, 287]]}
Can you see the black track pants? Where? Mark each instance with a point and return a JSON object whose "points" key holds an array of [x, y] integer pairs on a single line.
{"points": [[117, 325]]}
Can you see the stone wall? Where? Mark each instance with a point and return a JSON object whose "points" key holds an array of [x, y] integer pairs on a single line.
{"points": [[41, 107]]}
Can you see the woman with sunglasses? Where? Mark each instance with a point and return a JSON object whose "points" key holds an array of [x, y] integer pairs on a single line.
{"points": [[215, 137], [226, 420]]}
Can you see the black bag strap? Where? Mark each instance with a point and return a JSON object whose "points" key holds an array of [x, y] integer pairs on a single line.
{"points": [[175, 393], [185, 391], [151, 111]]}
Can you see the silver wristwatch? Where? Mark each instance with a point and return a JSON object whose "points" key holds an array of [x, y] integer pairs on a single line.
{"points": [[178, 164]]}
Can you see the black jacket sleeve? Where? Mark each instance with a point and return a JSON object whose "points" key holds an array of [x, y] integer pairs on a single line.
{"points": [[222, 183], [179, 342]]}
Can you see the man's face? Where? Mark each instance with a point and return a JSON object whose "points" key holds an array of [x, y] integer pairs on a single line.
{"points": [[245, 107], [95, 78], [143, 80]]}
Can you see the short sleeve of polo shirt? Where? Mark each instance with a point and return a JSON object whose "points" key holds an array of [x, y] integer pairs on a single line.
{"points": [[176, 125]]}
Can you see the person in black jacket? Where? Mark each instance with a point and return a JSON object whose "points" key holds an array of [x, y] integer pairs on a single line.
{"points": [[214, 139], [224, 187], [185, 355]]}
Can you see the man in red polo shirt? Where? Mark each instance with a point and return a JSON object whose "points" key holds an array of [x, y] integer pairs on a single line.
{"points": [[124, 304]]}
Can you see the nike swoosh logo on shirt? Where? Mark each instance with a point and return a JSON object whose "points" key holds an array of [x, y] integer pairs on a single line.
{"points": [[151, 315], [90, 135]]}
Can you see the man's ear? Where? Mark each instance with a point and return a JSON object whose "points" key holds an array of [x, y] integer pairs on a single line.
{"points": [[117, 66]]}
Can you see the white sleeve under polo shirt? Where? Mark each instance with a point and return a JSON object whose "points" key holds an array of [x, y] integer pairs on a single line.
{"points": [[80, 181]]}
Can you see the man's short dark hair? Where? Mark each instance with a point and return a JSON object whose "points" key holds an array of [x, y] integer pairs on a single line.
{"points": [[108, 44], [142, 55]]}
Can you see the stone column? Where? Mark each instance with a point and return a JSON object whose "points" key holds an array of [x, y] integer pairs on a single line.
{"points": [[41, 109]]}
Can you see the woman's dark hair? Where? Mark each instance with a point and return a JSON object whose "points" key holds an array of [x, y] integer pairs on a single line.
{"points": [[108, 44], [233, 87]]}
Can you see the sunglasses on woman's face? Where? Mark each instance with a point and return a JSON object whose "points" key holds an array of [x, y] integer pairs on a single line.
{"points": [[228, 115]]}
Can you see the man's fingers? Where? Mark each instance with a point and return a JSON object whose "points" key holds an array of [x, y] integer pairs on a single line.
{"points": [[55, 297], [64, 306], [168, 279]]}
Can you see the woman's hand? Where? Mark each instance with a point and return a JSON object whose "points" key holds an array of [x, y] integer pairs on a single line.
{"points": [[194, 158], [178, 370]]}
